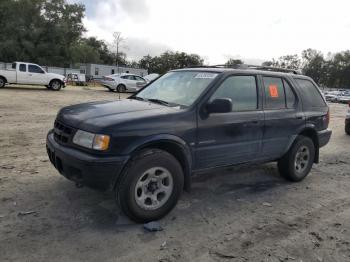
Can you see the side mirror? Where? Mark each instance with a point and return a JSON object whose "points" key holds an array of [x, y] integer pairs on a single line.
{"points": [[219, 105]]}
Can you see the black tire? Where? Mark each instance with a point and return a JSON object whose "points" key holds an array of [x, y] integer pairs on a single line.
{"points": [[347, 128], [2, 82], [135, 170], [121, 88], [287, 164], [55, 85]]}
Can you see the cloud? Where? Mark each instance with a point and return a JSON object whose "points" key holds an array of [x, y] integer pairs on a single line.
{"points": [[136, 48], [136, 9]]}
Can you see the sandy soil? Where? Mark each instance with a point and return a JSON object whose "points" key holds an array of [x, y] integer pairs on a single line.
{"points": [[247, 213]]}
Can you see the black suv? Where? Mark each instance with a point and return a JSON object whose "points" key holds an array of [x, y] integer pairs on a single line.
{"points": [[146, 147]]}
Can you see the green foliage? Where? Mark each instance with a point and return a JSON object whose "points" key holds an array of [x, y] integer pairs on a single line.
{"points": [[168, 61], [47, 32], [233, 62], [333, 71]]}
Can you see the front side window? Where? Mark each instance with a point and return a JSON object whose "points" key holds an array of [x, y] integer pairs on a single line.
{"points": [[179, 88], [22, 68], [35, 69], [241, 90]]}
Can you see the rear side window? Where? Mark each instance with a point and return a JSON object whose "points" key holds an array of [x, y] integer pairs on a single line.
{"points": [[241, 90], [290, 96], [274, 93], [22, 68], [310, 94]]}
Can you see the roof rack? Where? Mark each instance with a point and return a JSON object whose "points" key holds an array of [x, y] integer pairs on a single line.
{"points": [[256, 67]]}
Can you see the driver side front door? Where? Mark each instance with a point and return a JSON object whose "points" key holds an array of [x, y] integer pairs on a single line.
{"points": [[235, 137]]}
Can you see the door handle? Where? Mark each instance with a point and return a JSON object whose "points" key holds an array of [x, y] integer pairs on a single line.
{"points": [[299, 117]]}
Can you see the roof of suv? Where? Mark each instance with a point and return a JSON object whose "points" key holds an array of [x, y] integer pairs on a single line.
{"points": [[244, 70]]}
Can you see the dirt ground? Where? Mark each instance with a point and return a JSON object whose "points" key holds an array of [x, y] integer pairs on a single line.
{"points": [[247, 213]]}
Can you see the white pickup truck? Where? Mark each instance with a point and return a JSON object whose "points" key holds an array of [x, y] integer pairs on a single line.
{"points": [[31, 74]]}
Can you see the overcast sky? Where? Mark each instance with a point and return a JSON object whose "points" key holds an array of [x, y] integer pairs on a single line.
{"points": [[253, 30]]}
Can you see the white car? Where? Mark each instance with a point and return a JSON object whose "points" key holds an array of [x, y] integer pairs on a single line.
{"points": [[31, 74], [123, 82]]}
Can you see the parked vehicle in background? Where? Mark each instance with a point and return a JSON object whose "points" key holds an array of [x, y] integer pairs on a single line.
{"points": [[343, 97], [31, 74], [151, 77], [146, 147], [347, 121], [331, 96], [77, 79], [123, 82]]}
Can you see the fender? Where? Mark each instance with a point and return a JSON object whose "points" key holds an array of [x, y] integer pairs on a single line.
{"points": [[309, 127], [156, 141]]}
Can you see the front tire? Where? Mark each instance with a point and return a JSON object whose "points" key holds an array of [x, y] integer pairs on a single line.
{"points": [[150, 186], [55, 85], [296, 164], [347, 128]]}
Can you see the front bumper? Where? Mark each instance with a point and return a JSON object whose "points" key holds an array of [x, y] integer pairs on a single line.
{"points": [[323, 137], [99, 172]]}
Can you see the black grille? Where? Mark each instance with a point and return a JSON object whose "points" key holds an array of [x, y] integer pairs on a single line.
{"points": [[62, 132]]}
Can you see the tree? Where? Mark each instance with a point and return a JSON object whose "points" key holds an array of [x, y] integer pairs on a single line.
{"points": [[233, 62], [314, 65], [41, 31], [169, 60], [118, 41]]}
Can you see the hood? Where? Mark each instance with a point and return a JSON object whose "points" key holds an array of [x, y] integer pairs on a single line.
{"points": [[96, 116], [53, 75]]}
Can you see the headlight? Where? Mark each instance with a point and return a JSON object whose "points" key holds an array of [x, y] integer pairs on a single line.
{"points": [[90, 140]]}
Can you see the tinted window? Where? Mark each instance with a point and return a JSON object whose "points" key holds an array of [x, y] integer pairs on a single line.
{"points": [[22, 68], [290, 96], [274, 93], [310, 95], [139, 79], [241, 90], [35, 69], [112, 72]]}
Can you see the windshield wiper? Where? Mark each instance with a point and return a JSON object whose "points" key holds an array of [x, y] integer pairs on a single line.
{"points": [[137, 98], [158, 101]]}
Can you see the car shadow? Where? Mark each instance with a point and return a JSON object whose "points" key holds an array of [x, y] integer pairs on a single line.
{"points": [[98, 210], [26, 88]]}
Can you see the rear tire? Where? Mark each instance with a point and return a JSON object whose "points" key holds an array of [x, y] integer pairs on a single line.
{"points": [[121, 88], [55, 85], [296, 164], [347, 129], [2, 82], [150, 186]]}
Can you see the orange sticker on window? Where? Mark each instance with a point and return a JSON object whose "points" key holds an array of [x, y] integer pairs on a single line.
{"points": [[273, 91]]}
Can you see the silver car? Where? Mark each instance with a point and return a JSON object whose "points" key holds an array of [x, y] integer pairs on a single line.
{"points": [[123, 82]]}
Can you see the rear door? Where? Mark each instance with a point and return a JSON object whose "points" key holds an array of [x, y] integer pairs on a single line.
{"points": [[283, 115], [234, 137]]}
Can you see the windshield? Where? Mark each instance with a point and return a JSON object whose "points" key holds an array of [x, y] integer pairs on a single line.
{"points": [[178, 88]]}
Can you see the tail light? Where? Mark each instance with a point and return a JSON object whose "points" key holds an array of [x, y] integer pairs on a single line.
{"points": [[328, 117]]}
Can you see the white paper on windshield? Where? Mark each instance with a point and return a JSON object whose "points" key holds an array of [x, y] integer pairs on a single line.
{"points": [[206, 75]]}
